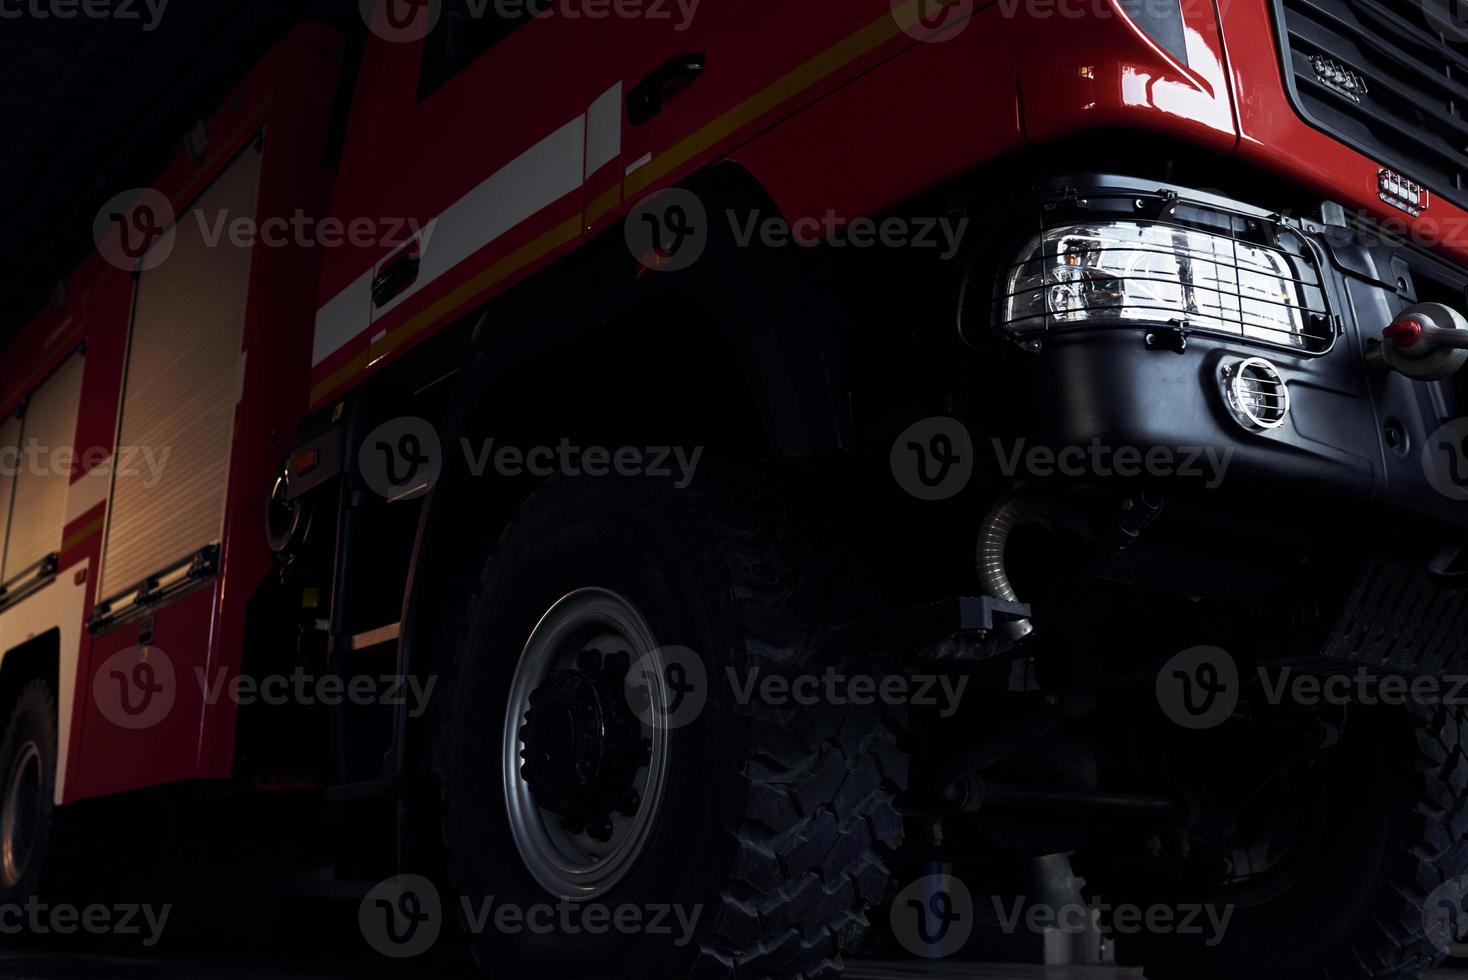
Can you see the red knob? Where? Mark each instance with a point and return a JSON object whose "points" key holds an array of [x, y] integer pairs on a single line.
{"points": [[1404, 333]]}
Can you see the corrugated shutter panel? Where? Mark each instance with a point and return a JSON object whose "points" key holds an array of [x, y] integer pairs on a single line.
{"points": [[181, 389], [10, 463], [39, 506]]}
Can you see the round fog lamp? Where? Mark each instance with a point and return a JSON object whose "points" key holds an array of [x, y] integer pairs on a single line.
{"points": [[1256, 394]]}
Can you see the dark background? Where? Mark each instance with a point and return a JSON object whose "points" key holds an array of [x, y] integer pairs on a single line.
{"points": [[93, 107]]}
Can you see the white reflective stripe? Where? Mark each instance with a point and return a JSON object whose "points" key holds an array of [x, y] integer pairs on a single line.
{"points": [[551, 169], [604, 130], [89, 491], [638, 164], [534, 180], [342, 318], [59, 606]]}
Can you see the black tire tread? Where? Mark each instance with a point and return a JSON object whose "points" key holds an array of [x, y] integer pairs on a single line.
{"points": [[810, 849], [1428, 847]]}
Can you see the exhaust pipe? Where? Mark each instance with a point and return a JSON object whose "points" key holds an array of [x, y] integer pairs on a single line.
{"points": [[1137, 512], [1011, 512]]}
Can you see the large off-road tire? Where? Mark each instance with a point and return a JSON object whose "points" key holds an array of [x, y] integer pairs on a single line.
{"points": [[27, 791], [1389, 831], [774, 821]]}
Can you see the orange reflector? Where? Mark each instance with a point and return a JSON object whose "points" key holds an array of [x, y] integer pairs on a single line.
{"points": [[306, 462]]}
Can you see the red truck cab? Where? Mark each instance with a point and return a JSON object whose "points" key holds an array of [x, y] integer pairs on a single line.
{"points": [[1100, 359]]}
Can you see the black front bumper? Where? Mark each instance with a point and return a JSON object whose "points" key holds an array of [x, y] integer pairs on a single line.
{"points": [[1358, 438]]}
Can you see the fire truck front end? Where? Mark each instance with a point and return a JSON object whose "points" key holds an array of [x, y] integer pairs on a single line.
{"points": [[1212, 387]]}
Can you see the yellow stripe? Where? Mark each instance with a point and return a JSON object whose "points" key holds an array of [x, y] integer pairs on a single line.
{"points": [[523, 256], [603, 203], [822, 66], [83, 533], [816, 70]]}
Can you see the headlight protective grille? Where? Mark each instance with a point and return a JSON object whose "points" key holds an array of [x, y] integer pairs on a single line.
{"points": [[1150, 272]]}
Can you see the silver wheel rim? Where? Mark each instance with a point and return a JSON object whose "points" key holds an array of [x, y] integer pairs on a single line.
{"points": [[576, 866], [18, 816]]}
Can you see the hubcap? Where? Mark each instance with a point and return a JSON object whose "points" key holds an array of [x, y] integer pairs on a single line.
{"points": [[583, 774], [20, 815]]}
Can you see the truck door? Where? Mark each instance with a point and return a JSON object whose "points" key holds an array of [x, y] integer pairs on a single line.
{"points": [[702, 75], [472, 129], [156, 617]]}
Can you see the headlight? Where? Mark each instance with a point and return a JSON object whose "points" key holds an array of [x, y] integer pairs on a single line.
{"points": [[1148, 272]]}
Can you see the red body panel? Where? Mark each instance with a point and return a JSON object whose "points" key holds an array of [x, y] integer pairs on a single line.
{"points": [[288, 97], [1275, 137], [841, 109], [846, 109]]}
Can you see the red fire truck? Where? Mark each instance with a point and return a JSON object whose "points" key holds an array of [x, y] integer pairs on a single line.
{"points": [[460, 355]]}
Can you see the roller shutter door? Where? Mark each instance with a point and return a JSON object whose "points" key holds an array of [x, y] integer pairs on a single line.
{"points": [[38, 504], [181, 388]]}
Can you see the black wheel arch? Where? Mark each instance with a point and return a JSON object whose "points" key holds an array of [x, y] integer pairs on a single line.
{"points": [[741, 346]]}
